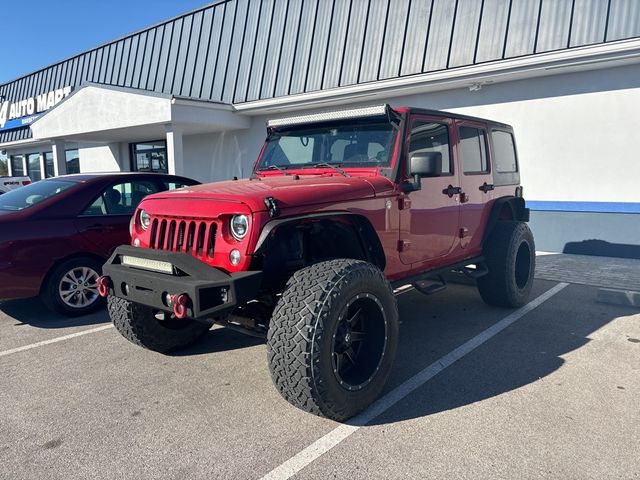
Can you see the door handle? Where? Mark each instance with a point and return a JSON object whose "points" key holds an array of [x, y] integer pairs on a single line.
{"points": [[486, 187], [451, 191]]}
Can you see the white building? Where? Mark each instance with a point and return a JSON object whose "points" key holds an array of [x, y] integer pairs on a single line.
{"points": [[191, 95]]}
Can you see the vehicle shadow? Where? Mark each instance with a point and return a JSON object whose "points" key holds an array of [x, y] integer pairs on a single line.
{"points": [[32, 312], [523, 353], [219, 340]]}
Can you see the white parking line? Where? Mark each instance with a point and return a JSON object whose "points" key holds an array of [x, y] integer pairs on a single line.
{"points": [[323, 445], [55, 340]]}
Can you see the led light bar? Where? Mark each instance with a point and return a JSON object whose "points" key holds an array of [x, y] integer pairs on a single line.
{"points": [[146, 264], [333, 115]]}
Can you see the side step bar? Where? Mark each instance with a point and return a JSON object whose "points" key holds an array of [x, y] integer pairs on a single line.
{"points": [[432, 288]]}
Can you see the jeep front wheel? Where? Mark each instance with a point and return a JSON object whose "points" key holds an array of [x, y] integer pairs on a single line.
{"points": [[333, 337], [142, 326], [510, 256]]}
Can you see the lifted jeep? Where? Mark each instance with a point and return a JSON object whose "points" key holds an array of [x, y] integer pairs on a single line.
{"points": [[342, 208]]}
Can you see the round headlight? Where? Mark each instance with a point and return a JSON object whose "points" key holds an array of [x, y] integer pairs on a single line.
{"points": [[239, 226], [145, 219]]}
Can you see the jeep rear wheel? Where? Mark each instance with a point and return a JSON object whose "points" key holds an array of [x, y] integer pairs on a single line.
{"points": [[333, 337], [510, 257], [140, 325]]}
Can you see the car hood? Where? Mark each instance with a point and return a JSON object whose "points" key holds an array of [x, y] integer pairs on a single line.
{"points": [[287, 190]]}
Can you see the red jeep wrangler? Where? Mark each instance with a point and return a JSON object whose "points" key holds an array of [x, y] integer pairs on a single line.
{"points": [[342, 208]]}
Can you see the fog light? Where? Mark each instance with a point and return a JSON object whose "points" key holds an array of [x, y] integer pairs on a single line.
{"points": [[234, 257], [136, 242]]}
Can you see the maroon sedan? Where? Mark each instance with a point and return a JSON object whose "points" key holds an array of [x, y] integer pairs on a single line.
{"points": [[56, 234]]}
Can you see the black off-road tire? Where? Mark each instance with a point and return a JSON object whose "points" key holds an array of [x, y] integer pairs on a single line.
{"points": [[138, 324], [510, 255], [301, 336], [50, 291]]}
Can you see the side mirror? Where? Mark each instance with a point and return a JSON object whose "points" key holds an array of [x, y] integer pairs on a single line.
{"points": [[423, 164], [426, 164]]}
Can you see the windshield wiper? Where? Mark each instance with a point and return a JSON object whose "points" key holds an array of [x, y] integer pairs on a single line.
{"points": [[274, 167], [337, 169]]}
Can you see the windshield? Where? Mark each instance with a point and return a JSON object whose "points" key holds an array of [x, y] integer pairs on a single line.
{"points": [[25, 197], [340, 145]]}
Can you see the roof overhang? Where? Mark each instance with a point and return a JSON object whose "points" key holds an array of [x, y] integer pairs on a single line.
{"points": [[98, 113], [592, 57]]}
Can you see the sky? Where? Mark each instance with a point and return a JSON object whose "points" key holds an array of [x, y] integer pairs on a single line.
{"points": [[37, 33]]}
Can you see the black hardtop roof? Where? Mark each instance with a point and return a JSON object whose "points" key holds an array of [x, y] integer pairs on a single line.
{"points": [[443, 113]]}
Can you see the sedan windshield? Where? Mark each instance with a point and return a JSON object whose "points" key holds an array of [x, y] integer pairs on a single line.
{"points": [[25, 197], [367, 145]]}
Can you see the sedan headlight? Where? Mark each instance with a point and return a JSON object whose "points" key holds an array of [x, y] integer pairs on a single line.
{"points": [[145, 219], [239, 226]]}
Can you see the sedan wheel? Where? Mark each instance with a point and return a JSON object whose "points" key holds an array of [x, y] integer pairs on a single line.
{"points": [[78, 288], [71, 288]]}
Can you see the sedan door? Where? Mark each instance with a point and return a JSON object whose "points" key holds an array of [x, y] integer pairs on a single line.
{"points": [[104, 224]]}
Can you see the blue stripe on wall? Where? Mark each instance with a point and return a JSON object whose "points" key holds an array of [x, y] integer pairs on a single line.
{"points": [[598, 207]]}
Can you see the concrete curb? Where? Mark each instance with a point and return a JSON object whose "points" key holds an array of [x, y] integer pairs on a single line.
{"points": [[627, 298]]}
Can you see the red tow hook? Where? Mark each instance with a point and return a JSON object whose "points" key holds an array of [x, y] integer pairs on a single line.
{"points": [[180, 305], [104, 284]]}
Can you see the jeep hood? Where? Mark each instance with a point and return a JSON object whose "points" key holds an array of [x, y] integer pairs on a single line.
{"points": [[289, 191]]}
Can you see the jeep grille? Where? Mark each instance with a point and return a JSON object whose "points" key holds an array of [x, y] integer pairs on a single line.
{"points": [[197, 237]]}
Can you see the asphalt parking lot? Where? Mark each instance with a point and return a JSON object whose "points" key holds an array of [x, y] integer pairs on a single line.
{"points": [[545, 392]]}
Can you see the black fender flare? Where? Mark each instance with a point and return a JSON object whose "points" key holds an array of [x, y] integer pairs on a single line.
{"points": [[515, 206], [367, 235]]}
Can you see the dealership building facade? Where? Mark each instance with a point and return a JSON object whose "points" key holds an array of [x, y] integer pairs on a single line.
{"points": [[191, 95]]}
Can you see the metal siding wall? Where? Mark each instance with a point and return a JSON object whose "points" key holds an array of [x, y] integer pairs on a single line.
{"points": [[492, 31], [394, 36], [218, 62], [624, 20], [555, 24], [315, 69], [417, 31], [354, 42], [252, 25], [589, 22], [372, 49], [179, 71], [335, 48], [521, 28], [277, 48], [261, 50], [465, 32], [440, 32], [305, 36], [236, 38], [288, 47], [244, 50]]}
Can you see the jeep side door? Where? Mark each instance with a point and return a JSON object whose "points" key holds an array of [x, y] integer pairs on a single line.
{"points": [[429, 216], [476, 181]]}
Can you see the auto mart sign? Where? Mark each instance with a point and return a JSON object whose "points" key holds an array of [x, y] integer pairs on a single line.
{"points": [[24, 112]]}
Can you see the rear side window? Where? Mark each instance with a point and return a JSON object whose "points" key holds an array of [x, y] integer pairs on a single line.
{"points": [[473, 150], [504, 152]]}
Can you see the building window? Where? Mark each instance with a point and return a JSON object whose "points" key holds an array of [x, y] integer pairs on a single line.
{"points": [[33, 167], [49, 169], [17, 165], [149, 157], [73, 160]]}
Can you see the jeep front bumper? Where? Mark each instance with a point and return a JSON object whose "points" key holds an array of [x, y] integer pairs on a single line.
{"points": [[153, 277]]}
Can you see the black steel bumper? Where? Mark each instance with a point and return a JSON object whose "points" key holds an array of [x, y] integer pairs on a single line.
{"points": [[211, 292]]}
